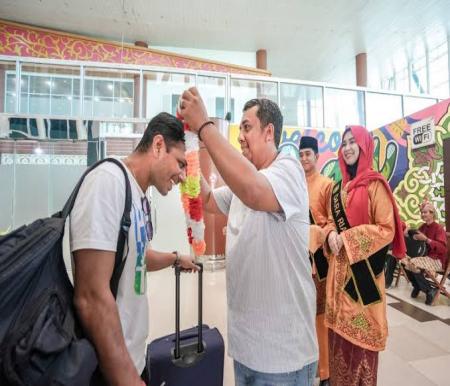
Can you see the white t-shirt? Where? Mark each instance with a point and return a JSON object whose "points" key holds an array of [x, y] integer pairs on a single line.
{"points": [[94, 224], [270, 291]]}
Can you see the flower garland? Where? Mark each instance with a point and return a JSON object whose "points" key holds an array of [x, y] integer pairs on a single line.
{"points": [[190, 192]]}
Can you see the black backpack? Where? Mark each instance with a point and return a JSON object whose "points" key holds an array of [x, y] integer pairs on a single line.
{"points": [[41, 340]]}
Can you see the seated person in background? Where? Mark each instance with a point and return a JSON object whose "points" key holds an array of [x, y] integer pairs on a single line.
{"points": [[434, 235]]}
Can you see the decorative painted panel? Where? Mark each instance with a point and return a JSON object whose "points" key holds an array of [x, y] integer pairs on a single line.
{"points": [[21, 40], [412, 174]]}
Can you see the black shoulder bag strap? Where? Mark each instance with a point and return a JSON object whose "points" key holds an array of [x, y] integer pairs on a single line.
{"points": [[320, 261], [125, 222], [361, 284]]}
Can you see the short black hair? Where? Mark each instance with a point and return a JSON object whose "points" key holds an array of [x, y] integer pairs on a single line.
{"points": [[166, 125], [268, 112]]}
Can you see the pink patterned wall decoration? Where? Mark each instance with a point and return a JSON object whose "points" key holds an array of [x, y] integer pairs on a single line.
{"points": [[21, 40]]}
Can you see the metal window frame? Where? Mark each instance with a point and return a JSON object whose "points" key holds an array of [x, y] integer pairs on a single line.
{"points": [[228, 77]]}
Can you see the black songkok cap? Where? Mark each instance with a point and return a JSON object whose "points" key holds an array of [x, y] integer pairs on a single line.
{"points": [[309, 143]]}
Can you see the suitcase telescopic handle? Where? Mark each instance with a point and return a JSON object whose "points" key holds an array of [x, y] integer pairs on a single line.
{"points": [[178, 270]]}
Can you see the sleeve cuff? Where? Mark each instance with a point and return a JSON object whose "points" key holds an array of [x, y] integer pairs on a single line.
{"points": [[102, 245]]}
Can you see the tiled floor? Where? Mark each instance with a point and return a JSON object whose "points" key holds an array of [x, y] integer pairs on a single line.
{"points": [[418, 348]]}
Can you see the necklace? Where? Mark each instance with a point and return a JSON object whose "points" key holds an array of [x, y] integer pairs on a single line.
{"points": [[127, 164]]}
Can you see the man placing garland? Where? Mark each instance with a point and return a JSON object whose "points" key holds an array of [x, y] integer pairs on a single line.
{"points": [[270, 292]]}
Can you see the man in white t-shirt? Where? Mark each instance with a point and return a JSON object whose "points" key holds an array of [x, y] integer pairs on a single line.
{"points": [[270, 292], [118, 327]]}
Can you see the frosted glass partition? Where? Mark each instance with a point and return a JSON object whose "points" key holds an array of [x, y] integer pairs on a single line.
{"points": [[8, 86], [39, 177], [50, 89], [163, 89], [301, 105], [6, 187], [413, 104], [343, 107], [213, 91], [382, 109], [242, 90]]}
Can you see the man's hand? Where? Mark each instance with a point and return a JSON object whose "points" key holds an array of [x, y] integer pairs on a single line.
{"points": [[420, 236], [187, 264], [193, 109]]}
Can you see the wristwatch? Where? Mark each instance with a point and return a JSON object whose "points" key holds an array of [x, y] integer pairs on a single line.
{"points": [[177, 259]]}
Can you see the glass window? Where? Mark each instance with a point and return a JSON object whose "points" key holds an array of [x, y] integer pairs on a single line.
{"points": [[62, 86], [24, 84], [10, 102], [388, 82], [24, 103], [414, 104], [11, 82], [220, 108], [39, 104], [8, 87], [76, 87], [88, 106], [438, 70], [88, 88], [212, 90], [419, 68], [103, 107], [61, 104], [163, 88], [103, 88], [123, 107], [123, 90], [419, 76], [302, 106], [40, 84], [242, 90], [382, 109], [402, 79], [174, 104], [48, 89], [110, 93], [343, 107]]}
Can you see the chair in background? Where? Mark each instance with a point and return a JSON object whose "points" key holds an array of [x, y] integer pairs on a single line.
{"points": [[433, 277]]}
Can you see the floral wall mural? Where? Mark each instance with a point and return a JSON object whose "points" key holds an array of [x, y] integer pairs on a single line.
{"points": [[412, 174]]}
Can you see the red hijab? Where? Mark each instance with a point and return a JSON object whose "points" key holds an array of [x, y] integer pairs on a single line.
{"points": [[357, 188]]}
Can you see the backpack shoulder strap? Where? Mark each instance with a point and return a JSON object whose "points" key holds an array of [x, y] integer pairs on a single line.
{"points": [[125, 222]]}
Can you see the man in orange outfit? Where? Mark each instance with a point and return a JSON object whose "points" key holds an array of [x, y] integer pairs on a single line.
{"points": [[319, 190]]}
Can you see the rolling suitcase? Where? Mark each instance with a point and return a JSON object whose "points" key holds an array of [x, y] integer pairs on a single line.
{"points": [[193, 357]]}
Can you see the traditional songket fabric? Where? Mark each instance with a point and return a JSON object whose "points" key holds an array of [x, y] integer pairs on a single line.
{"points": [[364, 212], [351, 365]]}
